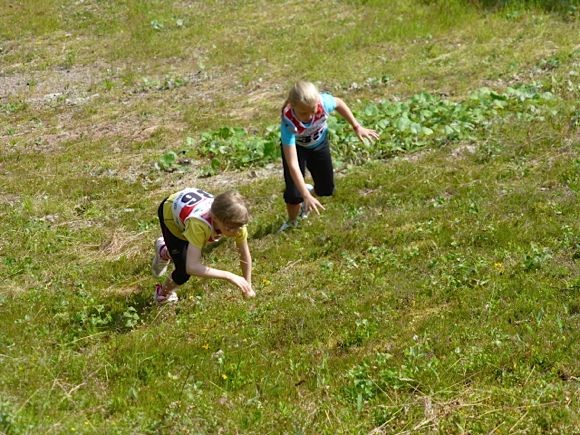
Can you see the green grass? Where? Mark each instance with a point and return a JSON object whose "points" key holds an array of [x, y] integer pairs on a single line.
{"points": [[438, 291]]}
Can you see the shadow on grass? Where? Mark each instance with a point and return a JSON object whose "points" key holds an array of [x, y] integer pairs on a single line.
{"points": [[115, 315], [266, 229], [94, 315]]}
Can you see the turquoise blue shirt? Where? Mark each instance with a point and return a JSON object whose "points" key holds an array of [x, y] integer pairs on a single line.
{"points": [[286, 132]]}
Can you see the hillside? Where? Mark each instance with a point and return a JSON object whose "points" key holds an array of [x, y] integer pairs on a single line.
{"points": [[438, 291]]}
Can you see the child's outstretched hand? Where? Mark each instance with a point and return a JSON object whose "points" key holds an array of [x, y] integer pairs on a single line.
{"points": [[365, 133], [311, 203]]}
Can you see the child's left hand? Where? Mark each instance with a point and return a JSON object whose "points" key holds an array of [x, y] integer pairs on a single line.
{"points": [[366, 133], [249, 293]]}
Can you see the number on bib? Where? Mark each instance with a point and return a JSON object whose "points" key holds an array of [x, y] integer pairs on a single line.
{"points": [[192, 197]]}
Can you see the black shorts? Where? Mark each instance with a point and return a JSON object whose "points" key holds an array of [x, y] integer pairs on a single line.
{"points": [[319, 164]]}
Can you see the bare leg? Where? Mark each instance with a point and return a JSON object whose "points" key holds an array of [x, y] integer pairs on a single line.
{"points": [[293, 211]]}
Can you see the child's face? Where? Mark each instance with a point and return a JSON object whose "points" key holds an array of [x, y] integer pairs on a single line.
{"points": [[304, 112], [227, 230]]}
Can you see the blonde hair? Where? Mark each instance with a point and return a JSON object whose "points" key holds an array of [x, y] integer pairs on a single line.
{"points": [[303, 92], [230, 208]]}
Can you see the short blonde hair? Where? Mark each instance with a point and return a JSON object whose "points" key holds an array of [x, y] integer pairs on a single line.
{"points": [[230, 208], [303, 92]]}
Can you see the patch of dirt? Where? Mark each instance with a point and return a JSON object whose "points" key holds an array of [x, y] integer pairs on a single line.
{"points": [[227, 180], [94, 102], [39, 88], [463, 150]]}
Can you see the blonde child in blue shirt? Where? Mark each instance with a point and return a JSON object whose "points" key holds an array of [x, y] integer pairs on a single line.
{"points": [[304, 141]]}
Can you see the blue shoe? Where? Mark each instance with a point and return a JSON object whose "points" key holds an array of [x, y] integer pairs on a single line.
{"points": [[287, 225]]}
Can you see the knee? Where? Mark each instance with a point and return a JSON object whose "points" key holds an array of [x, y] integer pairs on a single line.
{"points": [[324, 191], [292, 199], [179, 278]]}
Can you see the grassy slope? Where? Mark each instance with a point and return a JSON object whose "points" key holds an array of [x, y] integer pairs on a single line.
{"points": [[435, 292]]}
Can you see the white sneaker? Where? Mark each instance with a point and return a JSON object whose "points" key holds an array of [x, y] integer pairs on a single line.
{"points": [[161, 299], [303, 213], [160, 260], [287, 225]]}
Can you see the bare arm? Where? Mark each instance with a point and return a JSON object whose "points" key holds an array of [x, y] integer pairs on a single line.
{"points": [[246, 264], [195, 267], [346, 113], [292, 160]]}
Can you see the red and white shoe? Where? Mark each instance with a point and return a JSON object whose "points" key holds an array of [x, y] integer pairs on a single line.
{"points": [[161, 299], [161, 258]]}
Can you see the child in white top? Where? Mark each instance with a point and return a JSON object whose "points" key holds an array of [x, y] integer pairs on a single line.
{"points": [[190, 219]]}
